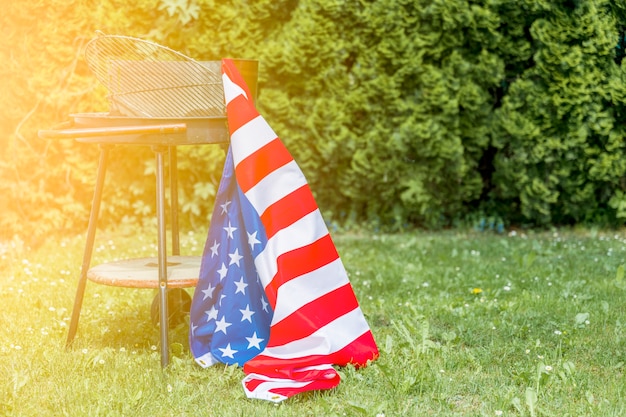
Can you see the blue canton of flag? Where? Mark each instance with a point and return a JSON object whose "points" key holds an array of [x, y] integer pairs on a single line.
{"points": [[230, 315]]}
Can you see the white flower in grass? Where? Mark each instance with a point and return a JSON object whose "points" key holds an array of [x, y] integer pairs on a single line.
{"points": [[548, 368], [498, 412]]}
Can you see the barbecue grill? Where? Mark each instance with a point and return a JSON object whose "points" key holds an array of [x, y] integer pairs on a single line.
{"points": [[160, 98]]}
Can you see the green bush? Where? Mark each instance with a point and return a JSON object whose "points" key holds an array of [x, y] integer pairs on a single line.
{"points": [[560, 130], [386, 105], [400, 112]]}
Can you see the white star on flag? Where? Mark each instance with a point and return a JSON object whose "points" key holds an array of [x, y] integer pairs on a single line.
{"points": [[208, 292], [225, 207], [241, 286], [223, 271], [235, 257], [247, 314], [254, 341], [228, 351], [211, 314], [222, 325], [252, 240], [214, 249], [230, 229]]}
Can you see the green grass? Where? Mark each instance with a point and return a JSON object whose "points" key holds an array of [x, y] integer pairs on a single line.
{"points": [[468, 324]]}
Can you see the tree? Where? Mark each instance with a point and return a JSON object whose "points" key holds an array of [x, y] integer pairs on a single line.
{"points": [[386, 104], [560, 143]]}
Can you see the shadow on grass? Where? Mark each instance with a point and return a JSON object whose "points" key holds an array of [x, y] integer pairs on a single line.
{"points": [[130, 327]]}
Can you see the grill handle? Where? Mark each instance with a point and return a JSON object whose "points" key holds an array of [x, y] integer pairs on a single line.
{"points": [[73, 133]]}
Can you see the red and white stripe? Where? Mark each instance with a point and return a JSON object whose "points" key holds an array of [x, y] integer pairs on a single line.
{"points": [[317, 320]]}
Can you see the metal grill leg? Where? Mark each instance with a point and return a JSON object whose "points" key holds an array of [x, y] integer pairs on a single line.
{"points": [[162, 248], [91, 235], [174, 200]]}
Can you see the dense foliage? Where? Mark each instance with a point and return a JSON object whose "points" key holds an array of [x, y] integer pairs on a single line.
{"points": [[400, 112], [560, 130]]}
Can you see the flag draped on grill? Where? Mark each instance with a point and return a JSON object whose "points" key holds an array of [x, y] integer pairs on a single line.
{"points": [[273, 294]]}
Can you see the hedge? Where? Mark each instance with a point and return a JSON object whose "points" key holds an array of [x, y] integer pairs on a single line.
{"points": [[426, 113]]}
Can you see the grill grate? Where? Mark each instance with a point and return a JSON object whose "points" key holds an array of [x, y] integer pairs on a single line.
{"points": [[145, 79]]}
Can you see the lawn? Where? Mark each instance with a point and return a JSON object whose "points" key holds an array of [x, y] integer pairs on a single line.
{"points": [[468, 324]]}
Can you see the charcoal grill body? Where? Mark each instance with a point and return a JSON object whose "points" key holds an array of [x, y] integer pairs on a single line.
{"points": [[163, 134]]}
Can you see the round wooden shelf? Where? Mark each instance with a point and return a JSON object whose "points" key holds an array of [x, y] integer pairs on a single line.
{"points": [[182, 272]]}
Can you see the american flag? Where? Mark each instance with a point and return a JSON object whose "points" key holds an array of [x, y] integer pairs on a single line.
{"points": [[273, 294]]}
